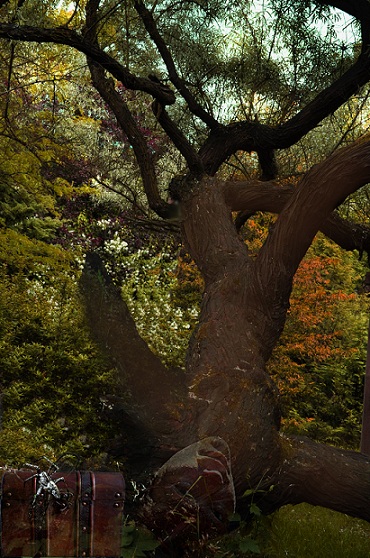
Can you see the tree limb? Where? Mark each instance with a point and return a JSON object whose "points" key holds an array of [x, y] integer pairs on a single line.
{"points": [[156, 390], [127, 123], [178, 138], [320, 475], [253, 195], [178, 82], [254, 136], [69, 37], [322, 189], [360, 10]]}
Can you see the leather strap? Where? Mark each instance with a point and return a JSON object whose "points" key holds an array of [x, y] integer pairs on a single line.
{"points": [[37, 511], [85, 514]]}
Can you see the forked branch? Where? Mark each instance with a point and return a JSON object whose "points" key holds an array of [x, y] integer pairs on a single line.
{"points": [[178, 82], [254, 195], [322, 189]]}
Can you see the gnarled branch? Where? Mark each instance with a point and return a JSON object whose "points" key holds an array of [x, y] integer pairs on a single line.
{"points": [[253, 195], [126, 121], [254, 136], [69, 37]]}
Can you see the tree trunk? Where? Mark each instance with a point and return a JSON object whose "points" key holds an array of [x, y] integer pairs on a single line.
{"points": [[213, 432], [242, 315], [221, 428]]}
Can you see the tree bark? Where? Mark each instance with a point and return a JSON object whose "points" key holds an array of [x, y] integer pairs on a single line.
{"points": [[318, 474], [231, 397], [215, 430]]}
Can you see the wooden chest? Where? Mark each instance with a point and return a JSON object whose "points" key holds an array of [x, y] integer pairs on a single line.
{"points": [[82, 517]]}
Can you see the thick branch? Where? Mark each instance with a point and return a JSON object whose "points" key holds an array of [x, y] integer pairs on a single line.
{"points": [[68, 37], [156, 390], [253, 136], [255, 196], [349, 236], [107, 91], [322, 476], [360, 10], [267, 161], [325, 103], [90, 31], [322, 189], [208, 236]]}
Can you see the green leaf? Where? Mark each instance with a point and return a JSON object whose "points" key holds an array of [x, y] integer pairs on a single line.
{"points": [[129, 527], [127, 540], [249, 492], [235, 517], [249, 545], [255, 510]]}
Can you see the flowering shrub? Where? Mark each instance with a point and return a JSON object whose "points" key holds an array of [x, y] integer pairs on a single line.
{"points": [[145, 265], [153, 294]]}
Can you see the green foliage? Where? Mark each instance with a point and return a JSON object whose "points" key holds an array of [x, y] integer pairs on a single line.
{"points": [[165, 311], [311, 532], [301, 531], [52, 376], [25, 205], [28, 256], [136, 541]]}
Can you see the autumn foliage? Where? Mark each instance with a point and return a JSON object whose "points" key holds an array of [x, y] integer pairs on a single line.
{"points": [[319, 362]]}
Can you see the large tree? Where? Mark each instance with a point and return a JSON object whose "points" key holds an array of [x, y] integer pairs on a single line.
{"points": [[211, 432]]}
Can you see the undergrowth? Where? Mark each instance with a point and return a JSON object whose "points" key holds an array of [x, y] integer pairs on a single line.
{"points": [[301, 531], [311, 532]]}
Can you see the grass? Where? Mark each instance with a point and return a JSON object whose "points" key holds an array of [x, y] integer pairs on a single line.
{"points": [[311, 532], [301, 531]]}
